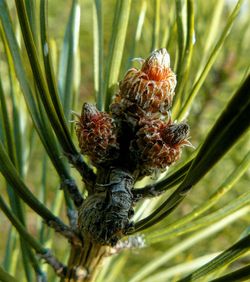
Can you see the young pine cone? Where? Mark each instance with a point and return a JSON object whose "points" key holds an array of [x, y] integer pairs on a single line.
{"points": [[158, 145], [152, 87], [96, 133]]}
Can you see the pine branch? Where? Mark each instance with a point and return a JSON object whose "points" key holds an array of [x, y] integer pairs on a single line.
{"points": [[13, 178], [158, 188], [40, 250]]}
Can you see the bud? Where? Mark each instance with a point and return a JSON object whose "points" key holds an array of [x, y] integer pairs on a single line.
{"points": [[96, 133], [157, 65], [158, 144], [176, 134], [151, 87]]}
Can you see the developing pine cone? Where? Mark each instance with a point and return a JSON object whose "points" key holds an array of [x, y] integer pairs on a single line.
{"points": [[96, 133], [158, 145], [151, 87]]}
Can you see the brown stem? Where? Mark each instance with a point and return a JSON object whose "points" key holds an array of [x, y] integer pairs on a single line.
{"points": [[59, 268], [103, 219], [85, 261]]}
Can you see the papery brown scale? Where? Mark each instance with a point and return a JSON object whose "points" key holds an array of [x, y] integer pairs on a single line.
{"points": [[158, 144], [148, 94], [96, 133], [176, 134]]}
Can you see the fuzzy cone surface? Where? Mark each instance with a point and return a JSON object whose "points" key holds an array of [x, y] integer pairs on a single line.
{"points": [[138, 132]]}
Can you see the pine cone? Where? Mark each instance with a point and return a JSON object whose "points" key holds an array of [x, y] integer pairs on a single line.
{"points": [[158, 144], [96, 133], [152, 87]]}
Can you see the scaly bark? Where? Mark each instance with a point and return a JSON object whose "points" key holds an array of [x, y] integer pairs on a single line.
{"points": [[103, 219]]}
